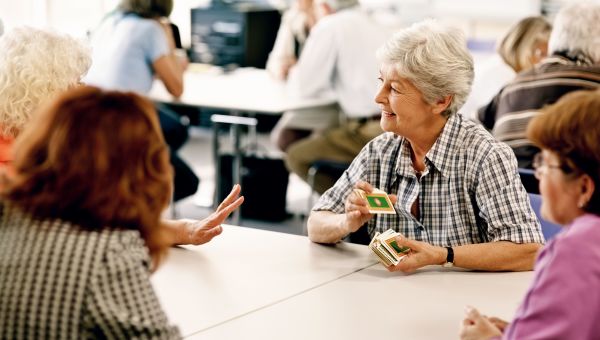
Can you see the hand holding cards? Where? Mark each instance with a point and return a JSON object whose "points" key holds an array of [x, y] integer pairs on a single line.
{"points": [[384, 245], [378, 201]]}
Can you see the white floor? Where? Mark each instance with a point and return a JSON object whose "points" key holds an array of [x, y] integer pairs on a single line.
{"points": [[198, 153]]}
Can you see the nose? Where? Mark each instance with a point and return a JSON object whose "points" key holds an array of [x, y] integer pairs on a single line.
{"points": [[380, 96]]}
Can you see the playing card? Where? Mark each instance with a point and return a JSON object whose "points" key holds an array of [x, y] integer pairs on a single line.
{"points": [[387, 249], [377, 201]]}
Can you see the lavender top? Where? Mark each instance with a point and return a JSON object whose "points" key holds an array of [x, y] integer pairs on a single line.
{"points": [[563, 301]]}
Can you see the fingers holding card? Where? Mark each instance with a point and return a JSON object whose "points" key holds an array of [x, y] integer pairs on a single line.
{"points": [[385, 246], [378, 201]]}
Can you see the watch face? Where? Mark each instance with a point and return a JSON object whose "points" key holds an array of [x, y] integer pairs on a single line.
{"points": [[448, 265]]}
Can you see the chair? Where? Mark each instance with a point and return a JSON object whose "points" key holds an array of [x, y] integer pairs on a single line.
{"points": [[549, 229], [334, 169], [529, 181]]}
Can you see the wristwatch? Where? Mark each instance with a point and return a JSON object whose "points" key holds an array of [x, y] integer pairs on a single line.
{"points": [[449, 258]]}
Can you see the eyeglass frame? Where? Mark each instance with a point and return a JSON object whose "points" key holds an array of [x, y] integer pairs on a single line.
{"points": [[540, 167]]}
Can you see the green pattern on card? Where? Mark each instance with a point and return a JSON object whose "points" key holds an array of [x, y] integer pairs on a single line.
{"points": [[377, 202]]}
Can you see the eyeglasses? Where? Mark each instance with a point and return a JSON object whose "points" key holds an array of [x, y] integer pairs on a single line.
{"points": [[541, 168]]}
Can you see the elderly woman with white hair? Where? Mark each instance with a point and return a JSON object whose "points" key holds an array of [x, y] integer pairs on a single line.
{"points": [[35, 65], [456, 190]]}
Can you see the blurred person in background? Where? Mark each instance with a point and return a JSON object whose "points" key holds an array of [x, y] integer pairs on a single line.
{"points": [[35, 65], [338, 60], [572, 64], [131, 47], [296, 24], [563, 302], [524, 45]]}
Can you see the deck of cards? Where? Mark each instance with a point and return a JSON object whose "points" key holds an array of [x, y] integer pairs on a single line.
{"points": [[384, 245], [377, 201]]}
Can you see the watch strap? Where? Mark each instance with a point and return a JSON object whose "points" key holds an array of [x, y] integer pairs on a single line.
{"points": [[450, 255]]}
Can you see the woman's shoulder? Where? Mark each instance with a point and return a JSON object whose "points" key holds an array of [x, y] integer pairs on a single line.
{"points": [[585, 228], [383, 144], [132, 23], [580, 240], [474, 138], [70, 237]]}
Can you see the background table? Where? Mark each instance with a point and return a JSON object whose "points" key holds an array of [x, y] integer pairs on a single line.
{"points": [[244, 270], [249, 90]]}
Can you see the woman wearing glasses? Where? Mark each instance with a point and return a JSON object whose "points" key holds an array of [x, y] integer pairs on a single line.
{"points": [[564, 300]]}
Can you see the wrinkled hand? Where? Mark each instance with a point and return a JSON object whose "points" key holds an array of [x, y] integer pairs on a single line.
{"points": [[356, 209], [200, 232], [421, 254], [477, 327]]}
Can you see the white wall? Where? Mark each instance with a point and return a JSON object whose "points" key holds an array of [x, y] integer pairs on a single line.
{"points": [[479, 18]]}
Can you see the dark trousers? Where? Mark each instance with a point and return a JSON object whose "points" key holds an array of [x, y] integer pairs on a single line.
{"points": [[176, 134]]}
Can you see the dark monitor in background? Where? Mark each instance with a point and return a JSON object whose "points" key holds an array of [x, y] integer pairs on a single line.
{"points": [[240, 33]]}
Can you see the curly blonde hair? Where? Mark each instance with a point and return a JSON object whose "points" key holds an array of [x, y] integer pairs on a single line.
{"points": [[34, 66]]}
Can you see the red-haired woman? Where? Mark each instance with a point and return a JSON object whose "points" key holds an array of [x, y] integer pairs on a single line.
{"points": [[80, 224]]}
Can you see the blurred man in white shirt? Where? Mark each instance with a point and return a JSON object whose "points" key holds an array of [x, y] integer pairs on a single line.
{"points": [[338, 59]]}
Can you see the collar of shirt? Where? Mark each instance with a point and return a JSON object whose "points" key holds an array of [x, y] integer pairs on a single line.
{"points": [[439, 156]]}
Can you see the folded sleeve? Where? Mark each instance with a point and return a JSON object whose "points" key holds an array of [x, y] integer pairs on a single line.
{"points": [[502, 200]]}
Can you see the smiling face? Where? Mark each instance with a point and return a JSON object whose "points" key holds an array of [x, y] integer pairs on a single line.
{"points": [[404, 111]]}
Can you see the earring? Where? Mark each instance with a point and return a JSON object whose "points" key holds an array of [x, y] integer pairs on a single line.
{"points": [[581, 205]]}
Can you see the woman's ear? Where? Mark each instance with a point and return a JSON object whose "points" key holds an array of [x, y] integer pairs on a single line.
{"points": [[588, 187], [442, 104]]}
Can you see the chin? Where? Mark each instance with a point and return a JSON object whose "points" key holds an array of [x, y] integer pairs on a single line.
{"points": [[547, 216], [388, 126]]}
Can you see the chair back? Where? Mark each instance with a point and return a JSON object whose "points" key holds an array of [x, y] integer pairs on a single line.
{"points": [[549, 229], [529, 181]]}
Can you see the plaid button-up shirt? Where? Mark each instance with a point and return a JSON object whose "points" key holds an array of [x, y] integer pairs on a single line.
{"points": [[469, 193]]}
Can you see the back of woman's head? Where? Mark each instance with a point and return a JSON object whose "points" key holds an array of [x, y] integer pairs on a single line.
{"points": [[147, 8], [569, 128], [519, 46], [94, 158], [576, 31], [34, 66]]}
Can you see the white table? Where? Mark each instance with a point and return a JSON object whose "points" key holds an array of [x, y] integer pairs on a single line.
{"points": [[245, 270], [376, 304], [248, 90]]}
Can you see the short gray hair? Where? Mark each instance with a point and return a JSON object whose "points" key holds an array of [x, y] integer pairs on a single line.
{"points": [[337, 5], [577, 31], [36, 65], [435, 59]]}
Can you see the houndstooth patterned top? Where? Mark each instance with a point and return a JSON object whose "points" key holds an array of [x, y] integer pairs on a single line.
{"points": [[470, 192], [58, 281]]}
